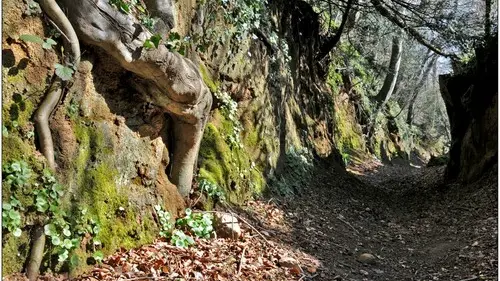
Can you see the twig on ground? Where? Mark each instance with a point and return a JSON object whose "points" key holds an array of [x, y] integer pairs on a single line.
{"points": [[242, 219], [145, 277], [346, 222], [470, 278], [242, 260]]}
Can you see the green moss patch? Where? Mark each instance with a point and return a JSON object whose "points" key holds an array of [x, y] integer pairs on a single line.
{"points": [[230, 167]]}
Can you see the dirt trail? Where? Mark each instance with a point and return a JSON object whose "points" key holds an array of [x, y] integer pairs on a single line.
{"points": [[413, 226], [416, 227]]}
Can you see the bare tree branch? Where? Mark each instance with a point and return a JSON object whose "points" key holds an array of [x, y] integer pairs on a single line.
{"points": [[411, 31]]}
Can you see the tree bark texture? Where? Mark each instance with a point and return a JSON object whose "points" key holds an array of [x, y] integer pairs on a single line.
{"points": [[171, 81], [36, 253], [424, 75], [391, 77]]}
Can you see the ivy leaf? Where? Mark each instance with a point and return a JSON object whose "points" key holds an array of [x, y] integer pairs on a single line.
{"points": [[180, 243], [67, 232], [96, 229], [31, 38], [125, 7], [16, 167], [155, 39], [64, 72], [148, 44], [74, 260], [49, 42], [174, 36]]}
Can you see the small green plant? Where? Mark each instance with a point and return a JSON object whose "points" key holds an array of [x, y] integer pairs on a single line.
{"points": [[73, 108], [65, 72], [11, 217], [148, 22], [194, 223], [61, 237], [298, 166], [47, 197], [229, 109], [180, 239], [198, 224], [16, 173], [33, 8], [47, 44], [152, 42], [122, 6], [165, 219], [212, 189], [47, 201], [98, 256]]}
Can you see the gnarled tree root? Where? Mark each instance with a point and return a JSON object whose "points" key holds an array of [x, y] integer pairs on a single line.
{"points": [[41, 120], [171, 81]]}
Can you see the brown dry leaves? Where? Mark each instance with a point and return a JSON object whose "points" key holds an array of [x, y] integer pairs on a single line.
{"points": [[214, 259], [250, 258]]}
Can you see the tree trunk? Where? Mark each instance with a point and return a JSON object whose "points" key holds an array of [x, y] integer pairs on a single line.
{"points": [[391, 77], [487, 20], [423, 77], [331, 42]]}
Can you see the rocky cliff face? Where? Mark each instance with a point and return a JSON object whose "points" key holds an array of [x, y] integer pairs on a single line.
{"points": [[112, 148]]}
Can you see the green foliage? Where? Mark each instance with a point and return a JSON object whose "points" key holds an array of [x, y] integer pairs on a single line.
{"points": [[123, 6], [197, 223], [148, 22], [297, 172], [73, 108], [46, 44], [47, 194], [229, 109], [212, 189], [11, 216], [165, 220], [16, 173], [65, 72], [178, 44], [33, 8], [152, 42], [180, 239], [63, 237]]}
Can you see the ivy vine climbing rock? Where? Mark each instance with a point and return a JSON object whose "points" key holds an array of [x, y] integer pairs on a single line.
{"points": [[164, 78]]}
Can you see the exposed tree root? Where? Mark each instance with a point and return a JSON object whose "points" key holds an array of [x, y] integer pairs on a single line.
{"points": [[36, 254], [41, 121]]}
